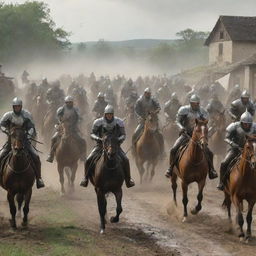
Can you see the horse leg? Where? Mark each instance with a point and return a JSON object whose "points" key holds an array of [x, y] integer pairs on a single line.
{"points": [[174, 186], [240, 219], [140, 167], [198, 207], [19, 199], [227, 203], [26, 207], [12, 206], [61, 174], [102, 206], [249, 221], [73, 176], [184, 187], [153, 170], [67, 171], [119, 209]]}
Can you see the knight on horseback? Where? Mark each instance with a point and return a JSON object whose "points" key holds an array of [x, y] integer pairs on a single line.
{"points": [[144, 105], [171, 107], [239, 106], [70, 114], [99, 105], [109, 124], [236, 137], [21, 118], [185, 120]]}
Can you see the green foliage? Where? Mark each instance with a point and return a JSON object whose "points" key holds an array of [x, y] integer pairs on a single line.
{"points": [[27, 29]]}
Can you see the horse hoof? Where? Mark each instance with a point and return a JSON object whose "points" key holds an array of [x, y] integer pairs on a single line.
{"points": [[114, 220], [102, 231], [24, 223], [241, 239], [194, 211], [184, 219], [13, 225]]}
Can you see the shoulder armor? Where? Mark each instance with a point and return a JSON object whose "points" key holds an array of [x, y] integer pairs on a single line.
{"points": [[60, 110], [235, 102], [119, 121], [232, 127], [6, 116], [26, 114], [184, 110], [98, 122]]}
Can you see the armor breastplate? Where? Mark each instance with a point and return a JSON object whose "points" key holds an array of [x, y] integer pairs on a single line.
{"points": [[192, 115], [147, 105], [108, 127], [69, 113], [16, 120]]}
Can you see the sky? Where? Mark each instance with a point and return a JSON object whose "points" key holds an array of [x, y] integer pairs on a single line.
{"points": [[115, 20]]}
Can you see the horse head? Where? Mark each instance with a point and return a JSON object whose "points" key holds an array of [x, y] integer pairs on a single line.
{"points": [[151, 122], [200, 133], [17, 137], [250, 150], [110, 146]]}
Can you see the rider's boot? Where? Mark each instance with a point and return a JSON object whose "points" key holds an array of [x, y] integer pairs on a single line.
{"points": [[39, 180], [168, 173], [85, 180], [221, 185], [127, 173], [212, 173]]}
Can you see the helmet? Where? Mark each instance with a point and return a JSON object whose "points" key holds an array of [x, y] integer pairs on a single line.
{"points": [[69, 99], [147, 90], [100, 95], [16, 102], [174, 96], [246, 117], [194, 99], [245, 94], [109, 109]]}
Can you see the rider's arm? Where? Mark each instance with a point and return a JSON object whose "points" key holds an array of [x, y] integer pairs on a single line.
{"points": [[122, 135], [180, 117], [95, 130], [60, 113], [232, 111], [4, 122], [230, 134]]}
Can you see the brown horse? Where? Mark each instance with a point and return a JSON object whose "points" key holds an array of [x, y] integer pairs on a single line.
{"points": [[108, 177], [18, 175], [216, 142], [147, 148], [242, 186], [48, 124], [68, 152], [170, 131], [192, 166]]}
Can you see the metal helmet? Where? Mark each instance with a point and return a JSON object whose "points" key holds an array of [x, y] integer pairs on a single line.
{"points": [[69, 99], [245, 94], [16, 102], [109, 109], [194, 99], [174, 96], [246, 117], [147, 90], [100, 95]]}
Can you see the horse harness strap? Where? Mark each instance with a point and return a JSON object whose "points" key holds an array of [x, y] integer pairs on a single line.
{"points": [[20, 172]]}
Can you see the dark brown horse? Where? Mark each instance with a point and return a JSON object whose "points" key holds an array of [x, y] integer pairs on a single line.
{"points": [[242, 186], [108, 177], [69, 150], [147, 148], [192, 166], [18, 175], [216, 142]]}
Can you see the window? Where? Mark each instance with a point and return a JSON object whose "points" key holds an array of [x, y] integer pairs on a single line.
{"points": [[220, 49], [221, 35]]}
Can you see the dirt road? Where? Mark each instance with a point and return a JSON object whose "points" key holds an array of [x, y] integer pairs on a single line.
{"points": [[150, 224]]}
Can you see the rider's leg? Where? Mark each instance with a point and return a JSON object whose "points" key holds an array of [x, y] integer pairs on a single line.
{"points": [[54, 143], [232, 153], [178, 143], [4, 152], [212, 173], [89, 165], [161, 143], [137, 133], [37, 166], [127, 171]]}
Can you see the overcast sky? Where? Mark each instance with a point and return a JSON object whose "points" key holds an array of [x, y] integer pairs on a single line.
{"points": [[90, 20]]}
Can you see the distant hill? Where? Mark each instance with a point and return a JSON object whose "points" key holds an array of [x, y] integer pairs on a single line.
{"points": [[135, 43]]}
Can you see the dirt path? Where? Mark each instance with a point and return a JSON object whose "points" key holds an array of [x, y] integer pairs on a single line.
{"points": [[149, 225]]}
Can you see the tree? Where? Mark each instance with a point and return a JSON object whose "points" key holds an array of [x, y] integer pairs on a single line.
{"points": [[189, 35], [27, 30]]}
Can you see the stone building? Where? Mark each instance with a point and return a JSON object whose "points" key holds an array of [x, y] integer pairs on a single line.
{"points": [[232, 39]]}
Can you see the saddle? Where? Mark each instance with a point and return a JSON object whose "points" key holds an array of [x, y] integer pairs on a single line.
{"points": [[230, 166]]}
